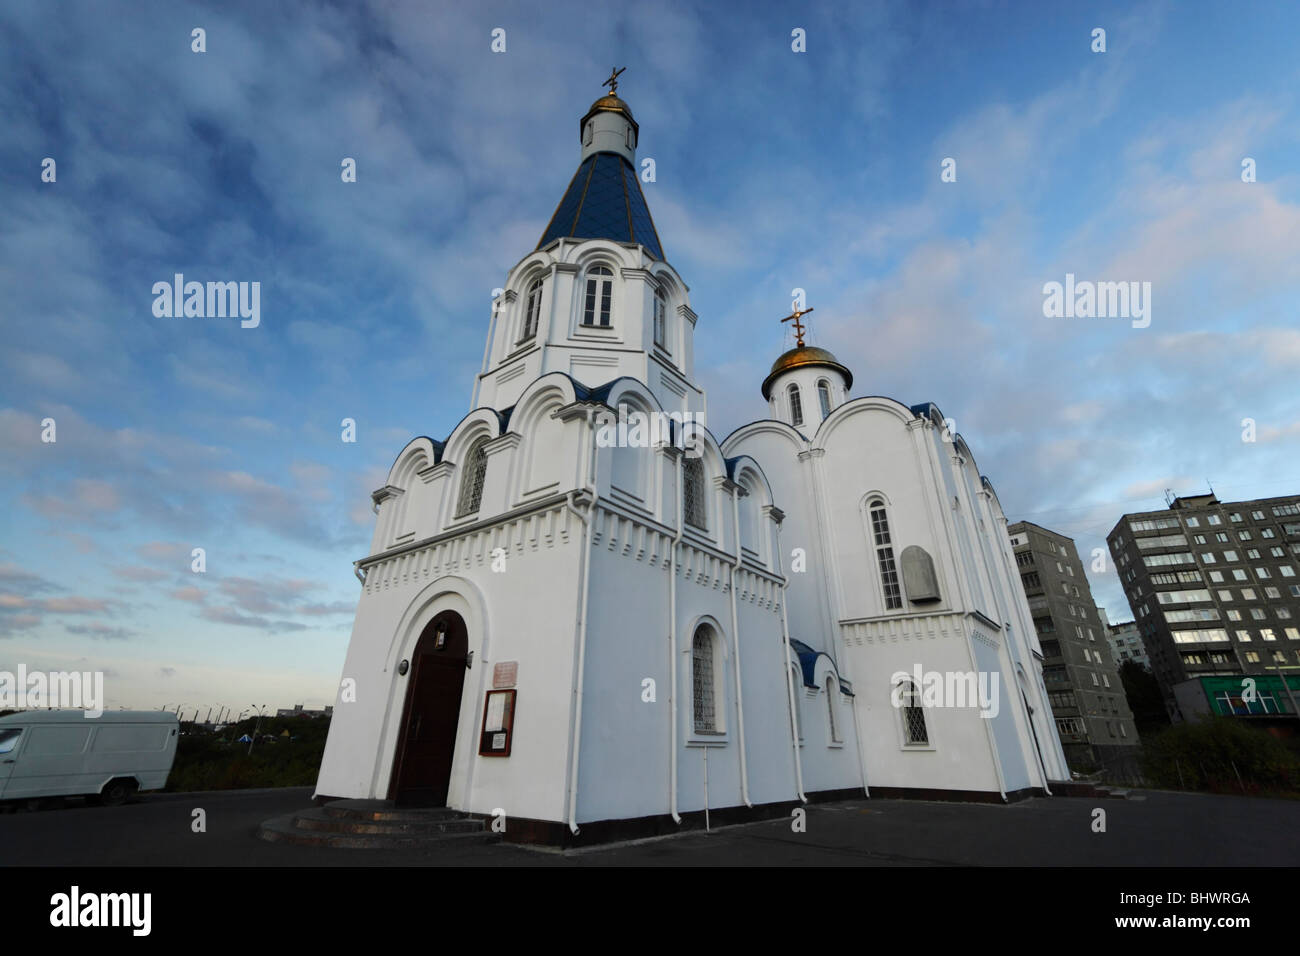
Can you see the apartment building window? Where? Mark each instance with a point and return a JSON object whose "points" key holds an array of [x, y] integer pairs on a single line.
{"points": [[1230, 556], [1199, 539], [1286, 571], [1193, 522], [1215, 519], [1252, 554], [1262, 573], [1152, 524], [1257, 613], [1277, 552], [1235, 517], [1209, 635], [1257, 515], [1221, 537], [1266, 634], [1284, 614], [1252, 657], [1293, 633], [1234, 615], [1244, 535], [1239, 574], [1225, 595], [1248, 594], [1164, 541], [1284, 510], [1216, 577], [1272, 593]]}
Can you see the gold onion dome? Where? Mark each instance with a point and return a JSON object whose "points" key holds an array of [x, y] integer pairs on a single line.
{"points": [[609, 103], [801, 356]]}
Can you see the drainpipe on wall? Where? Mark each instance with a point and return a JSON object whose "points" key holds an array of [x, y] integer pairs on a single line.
{"points": [[789, 683], [580, 638], [735, 637], [672, 644]]}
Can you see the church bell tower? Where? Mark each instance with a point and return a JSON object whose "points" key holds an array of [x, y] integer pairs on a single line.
{"points": [[596, 299]]}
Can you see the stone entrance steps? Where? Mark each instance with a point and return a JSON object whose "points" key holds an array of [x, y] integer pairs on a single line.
{"points": [[376, 824]]}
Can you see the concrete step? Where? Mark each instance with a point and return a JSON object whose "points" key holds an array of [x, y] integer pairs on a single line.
{"points": [[320, 819], [287, 829], [383, 811]]}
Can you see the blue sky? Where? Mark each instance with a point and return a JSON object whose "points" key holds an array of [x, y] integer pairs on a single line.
{"points": [[775, 170]]}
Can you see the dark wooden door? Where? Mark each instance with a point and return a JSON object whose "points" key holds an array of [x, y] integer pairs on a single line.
{"points": [[437, 676]]}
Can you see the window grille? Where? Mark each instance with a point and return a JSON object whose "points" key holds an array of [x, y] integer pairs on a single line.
{"points": [[661, 309], [914, 729], [600, 290], [830, 710], [796, 406], [885, 558], [471, 486], [702, 671], [693, 493], [532, 310]]}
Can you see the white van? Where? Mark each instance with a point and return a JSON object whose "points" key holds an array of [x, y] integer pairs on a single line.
{"points": [[63, 753]]}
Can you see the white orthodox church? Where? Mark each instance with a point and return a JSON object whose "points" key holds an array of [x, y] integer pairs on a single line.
{"points": [[600, 639]]}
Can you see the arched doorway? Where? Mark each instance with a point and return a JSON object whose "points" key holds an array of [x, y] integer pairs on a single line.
{"points": [[422, 768]]}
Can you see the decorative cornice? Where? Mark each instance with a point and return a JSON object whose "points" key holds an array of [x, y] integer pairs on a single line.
{"points": [[381, 495], [506, 442]]}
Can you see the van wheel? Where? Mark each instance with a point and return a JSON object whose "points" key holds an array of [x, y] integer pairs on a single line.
{"points": [[116, 792]]}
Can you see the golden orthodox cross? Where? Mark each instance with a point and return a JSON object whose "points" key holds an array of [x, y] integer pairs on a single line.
{"points": [[612, 82], [799, 327]]}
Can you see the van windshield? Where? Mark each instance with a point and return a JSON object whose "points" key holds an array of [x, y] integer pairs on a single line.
{"points": [[9, 739]]}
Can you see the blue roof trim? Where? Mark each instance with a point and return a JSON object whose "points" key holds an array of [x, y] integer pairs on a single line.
{"points": [[604, 201], [808, 664]]}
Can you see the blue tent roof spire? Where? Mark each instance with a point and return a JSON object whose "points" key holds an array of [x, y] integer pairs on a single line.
{"points": [[604, 198]]}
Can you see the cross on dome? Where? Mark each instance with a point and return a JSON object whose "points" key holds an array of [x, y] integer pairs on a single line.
{"points": [[799, 327]]}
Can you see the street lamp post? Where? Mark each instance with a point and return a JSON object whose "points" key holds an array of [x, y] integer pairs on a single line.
{"points": [[258, 726]]}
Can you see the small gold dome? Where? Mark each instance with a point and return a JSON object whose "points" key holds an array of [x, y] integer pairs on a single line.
{"points": [[802, 355], [609, 103]]}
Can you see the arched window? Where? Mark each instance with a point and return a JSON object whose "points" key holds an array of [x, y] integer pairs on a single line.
{"points": [[885, 556], [703, 682], [824, 396], [796, 406], [600, 291], [914, 730], [830, 709], [587, 134], [532, 310], [661, 315], [693, 503], [471, 485]]}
